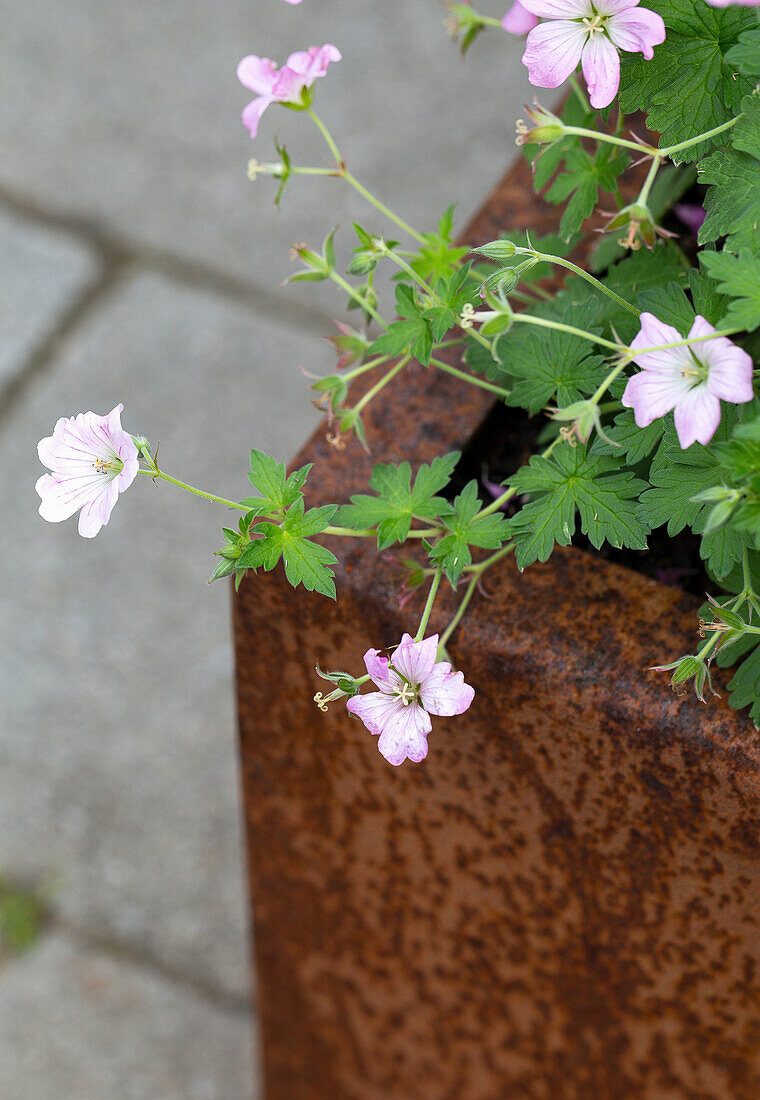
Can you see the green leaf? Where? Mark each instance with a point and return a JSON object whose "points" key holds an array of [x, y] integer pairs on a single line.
{"points": [[398, 501], [305, 562], [745, 56], [575, 479], [465, 530], [550, 366], [634, 443], [744, 686], [738, 277], [732, 201], [689, 86], [278, 491], [583, 179]]}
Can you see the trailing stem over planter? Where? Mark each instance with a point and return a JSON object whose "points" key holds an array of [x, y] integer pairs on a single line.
{"points": [[641, 365]]}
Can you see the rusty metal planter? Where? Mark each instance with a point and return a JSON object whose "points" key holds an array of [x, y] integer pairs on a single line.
{"points": [[562, 901]]}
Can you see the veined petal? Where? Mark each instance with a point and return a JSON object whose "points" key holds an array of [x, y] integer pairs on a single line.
{"points": [[653, 334], [415, 660], [558, 9], [729, 367], [97, 512], [375, 709], [404, 736], [651, 394], [601, 67], [444, 691], [518, 20], [257, 73], [377, 667], [637, 30], [613, 7], [552, 52], [697, 416]]}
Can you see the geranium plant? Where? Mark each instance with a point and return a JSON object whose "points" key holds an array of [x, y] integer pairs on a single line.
{"points": [[638, 371]]}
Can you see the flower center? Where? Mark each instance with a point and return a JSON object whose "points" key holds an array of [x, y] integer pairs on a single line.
{"points": [[696, 372], [594, 23], [102, 466], [406, 694]]}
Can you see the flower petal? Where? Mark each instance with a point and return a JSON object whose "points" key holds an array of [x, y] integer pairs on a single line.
{"points": [[601, 68], [697, 416], [257, 73], [251, 115], [652, 334], [558, 9], [729, 367], [97, 512], [404, 737], [375, 709], [415, 660], [651, 394], [637, 30], [552, 52], [377, 667], [444, 691], [518, 20]]}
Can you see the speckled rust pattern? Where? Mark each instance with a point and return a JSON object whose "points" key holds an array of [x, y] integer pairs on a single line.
{"points": [[562, 901]]}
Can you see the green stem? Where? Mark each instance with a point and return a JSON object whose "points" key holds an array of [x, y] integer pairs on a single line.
{"points": [[363, 368], [352, 292], [580, 94], [477, 572], [611, 139], [561, 262], [370, 532], [429, 604], [354, 182], [381, 383], [651, 174], [480, 382], [528, 319], [670, 149], [409, 270], [155, 472], [507, 495]]}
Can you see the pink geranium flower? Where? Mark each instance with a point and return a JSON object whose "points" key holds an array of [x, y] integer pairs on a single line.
{"points": [[285, 85], [592, 33], [519, 20], [690, 379], [92, 460], [413, 685]]}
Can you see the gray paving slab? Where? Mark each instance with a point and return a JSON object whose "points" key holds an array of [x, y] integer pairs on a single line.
{"points": [[136, 107], [42, 275], [118, 766], [76, 1024]]}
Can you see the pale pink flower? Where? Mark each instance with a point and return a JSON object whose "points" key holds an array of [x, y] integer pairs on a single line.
{"points": [[92, 460], [285, 85], [519, 20], [690, 379], [412, 687], [592, 32], [292, 1]]}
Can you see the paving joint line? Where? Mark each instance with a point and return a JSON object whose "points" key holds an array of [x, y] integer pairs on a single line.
{"points": [[143, 959], [190, 273], [114, 266]]}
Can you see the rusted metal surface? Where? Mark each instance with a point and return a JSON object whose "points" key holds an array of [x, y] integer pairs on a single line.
{"points": [[562, 901]]}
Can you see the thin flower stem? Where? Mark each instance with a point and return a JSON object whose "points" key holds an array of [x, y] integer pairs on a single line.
{"points": [[480, 382], [459, 614], [670, 149], [155, 472], [354, 182], [389, 252], [685, 340], [371, 533], [611, 139], [651, 174], [542, 322], [429, 604], [560, 262], [353, 293], [363, 368], [608, 382], [579, 92], [375, 201], [379, 385]]}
